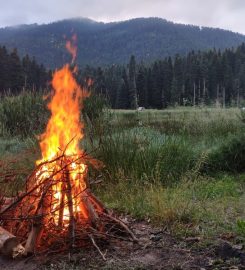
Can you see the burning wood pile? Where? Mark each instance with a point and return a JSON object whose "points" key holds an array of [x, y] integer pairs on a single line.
{"points": [[57, 211]]}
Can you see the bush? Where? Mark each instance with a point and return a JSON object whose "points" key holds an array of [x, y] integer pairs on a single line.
{"points": [[93, 107], [230, 156]]}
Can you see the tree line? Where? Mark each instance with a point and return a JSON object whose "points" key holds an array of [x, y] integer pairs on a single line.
{"points": [[199, 78], [17, 74]]}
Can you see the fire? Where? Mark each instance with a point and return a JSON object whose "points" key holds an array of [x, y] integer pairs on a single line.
{"points": [[64, 127], [57, 208], [71, 46], [62, 137]]}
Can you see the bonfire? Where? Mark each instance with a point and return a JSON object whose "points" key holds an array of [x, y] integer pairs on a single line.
{"points": [[57, 210]]}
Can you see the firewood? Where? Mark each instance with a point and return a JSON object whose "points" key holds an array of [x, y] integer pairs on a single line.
{"points": [[61, 210], [48, 213], [93, 216], [32, 239], [94, 200], [70, 207], [37, 227], [9, 243]]}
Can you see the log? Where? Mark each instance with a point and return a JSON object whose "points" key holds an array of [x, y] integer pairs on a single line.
{"points": [[9, 243]]}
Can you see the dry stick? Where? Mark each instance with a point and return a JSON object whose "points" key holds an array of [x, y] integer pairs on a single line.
{"points": [[62, 202], [33, 175], [93, 199], [95, 232], [122, 225], [37, 228], [93, 216], [70, 207], [37, 186], [62, 207], [96, 246]]}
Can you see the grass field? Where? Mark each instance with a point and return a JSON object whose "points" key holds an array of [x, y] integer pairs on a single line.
{"points": [[183, 168]]}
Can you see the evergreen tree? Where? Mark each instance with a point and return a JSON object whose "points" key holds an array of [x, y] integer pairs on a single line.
{"points": [[132, 83], [16, 75]]}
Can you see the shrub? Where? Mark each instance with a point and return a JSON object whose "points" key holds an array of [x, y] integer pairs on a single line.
{"points": [[230, 156], [93, 107]]}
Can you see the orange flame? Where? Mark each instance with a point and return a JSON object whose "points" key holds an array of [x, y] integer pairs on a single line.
{"points": [[64, 126], [71, 46], [62, 136]]}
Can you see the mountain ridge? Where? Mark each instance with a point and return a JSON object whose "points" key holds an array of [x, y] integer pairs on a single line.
{"points": [[103, 44]]}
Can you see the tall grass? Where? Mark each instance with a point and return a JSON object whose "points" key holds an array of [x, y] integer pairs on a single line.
{"points": [[23, 115], [146, 155], [196, 123]]}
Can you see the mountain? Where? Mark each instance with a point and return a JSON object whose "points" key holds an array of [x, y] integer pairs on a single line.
{"points": [[113, 43]]}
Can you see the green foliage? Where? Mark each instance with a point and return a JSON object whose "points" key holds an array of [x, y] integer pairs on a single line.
{"points": [[241, 226], [197, 79], [188, 208], [230, 156], [23, 115], [242, 115], [142, 153], [17, 74], [213, 189], [94, 106]]}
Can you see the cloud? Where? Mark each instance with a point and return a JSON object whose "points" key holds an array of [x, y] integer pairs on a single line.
{"points": [[227, 14]]}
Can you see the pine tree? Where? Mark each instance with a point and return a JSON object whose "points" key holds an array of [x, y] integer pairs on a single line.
{"points": [[142, 89], [16, 75], [132, 84]]}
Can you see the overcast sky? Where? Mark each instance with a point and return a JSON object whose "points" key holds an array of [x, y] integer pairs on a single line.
{"points": [[227, 14]]}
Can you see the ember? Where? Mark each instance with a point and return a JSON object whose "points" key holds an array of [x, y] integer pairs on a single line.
{"points": [[57, 211]]}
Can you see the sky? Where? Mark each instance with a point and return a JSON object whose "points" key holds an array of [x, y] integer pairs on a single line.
{"points": [[226, 14]]}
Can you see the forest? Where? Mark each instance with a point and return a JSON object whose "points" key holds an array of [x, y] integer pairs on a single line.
{"points": [[199, 78], [18, 73], [210, 77], [101, 44]]}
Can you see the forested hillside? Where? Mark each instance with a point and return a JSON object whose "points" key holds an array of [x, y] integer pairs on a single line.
{"points": [[148, 39], [17, 74], [198, 78]]}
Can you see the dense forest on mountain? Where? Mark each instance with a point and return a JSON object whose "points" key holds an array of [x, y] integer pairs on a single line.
{"points": [[17, 74], [101, 44], [200, 78]]}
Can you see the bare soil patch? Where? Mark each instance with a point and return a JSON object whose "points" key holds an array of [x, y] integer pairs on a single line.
{"points": [[157, 250]]}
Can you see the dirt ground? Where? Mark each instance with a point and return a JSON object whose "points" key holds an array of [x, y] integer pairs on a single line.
{"points": [[157, 250]]}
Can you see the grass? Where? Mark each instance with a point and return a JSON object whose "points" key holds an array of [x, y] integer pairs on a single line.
{"points": [[23, 115], [157, 165], [205, 207]]}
